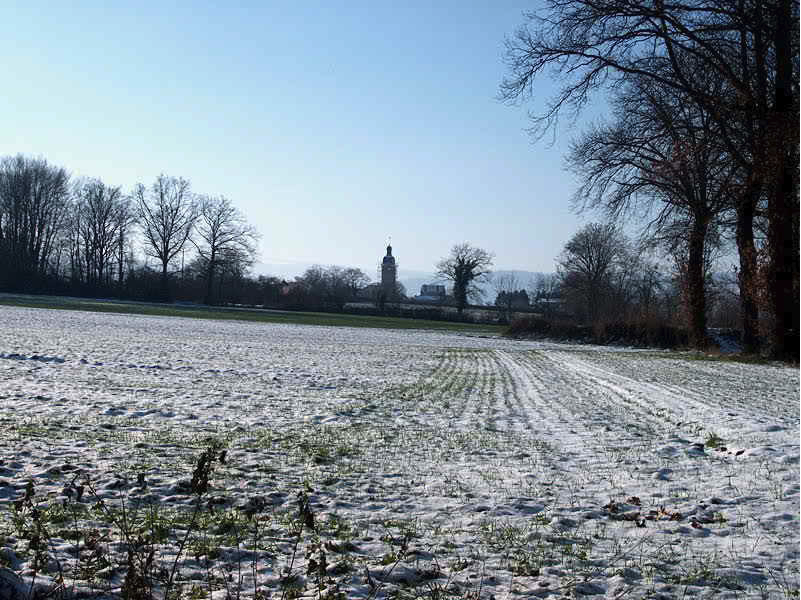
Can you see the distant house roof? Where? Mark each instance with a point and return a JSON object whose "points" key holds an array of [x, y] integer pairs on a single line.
{"points": [[432, 289]]}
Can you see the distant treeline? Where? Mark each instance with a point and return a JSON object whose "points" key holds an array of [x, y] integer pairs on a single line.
{"points": [[161, 242], [85, 237], [164, 242]]}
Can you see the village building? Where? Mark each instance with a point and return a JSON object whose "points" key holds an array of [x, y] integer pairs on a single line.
{"points": [[431, 292]]}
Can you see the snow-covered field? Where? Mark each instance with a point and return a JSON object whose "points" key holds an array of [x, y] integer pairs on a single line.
{"points": [[435, 465]]}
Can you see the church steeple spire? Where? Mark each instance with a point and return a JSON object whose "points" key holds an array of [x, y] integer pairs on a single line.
{"points": [[389, 273]]}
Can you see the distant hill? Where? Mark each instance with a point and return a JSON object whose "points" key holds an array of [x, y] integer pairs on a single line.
{"points": [[282, 270]]}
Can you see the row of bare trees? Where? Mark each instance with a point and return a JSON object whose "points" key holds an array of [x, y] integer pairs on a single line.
{"points": [[327, 287], [171, 216], [702, 141], [56, 235]]}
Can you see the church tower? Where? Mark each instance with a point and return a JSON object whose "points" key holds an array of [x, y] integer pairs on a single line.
{"points": [[389, 275]]}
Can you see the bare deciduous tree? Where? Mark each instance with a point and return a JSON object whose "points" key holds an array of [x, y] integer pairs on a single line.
{"points": [[586, 267], [166, 212], [223, 235], [99, 208], [355, 280], [465, 266]]}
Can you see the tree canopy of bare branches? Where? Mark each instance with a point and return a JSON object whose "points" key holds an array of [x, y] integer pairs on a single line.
{"points": [[586, 268], [332, 286], [509, 293], [127, 220], [465, 266], [98, 220]]}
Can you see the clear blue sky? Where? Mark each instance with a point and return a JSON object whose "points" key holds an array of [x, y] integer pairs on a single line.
{"points": [[331, 125]]}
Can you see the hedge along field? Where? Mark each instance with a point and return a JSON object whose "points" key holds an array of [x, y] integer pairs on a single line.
{"points": [[196, 311], [152, 457]]}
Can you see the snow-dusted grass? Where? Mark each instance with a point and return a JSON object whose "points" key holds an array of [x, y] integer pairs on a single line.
{"points": [[378, 463], [254, 315]]}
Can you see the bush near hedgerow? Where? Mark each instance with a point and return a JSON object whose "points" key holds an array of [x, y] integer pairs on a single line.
{"points": [[645, 333]]}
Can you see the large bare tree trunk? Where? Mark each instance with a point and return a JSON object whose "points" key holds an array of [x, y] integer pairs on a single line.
{"points": [[783, 202], [696, 297], [460, 295], [210, 277], [749, 310], [783, 268], [165, 283]]}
